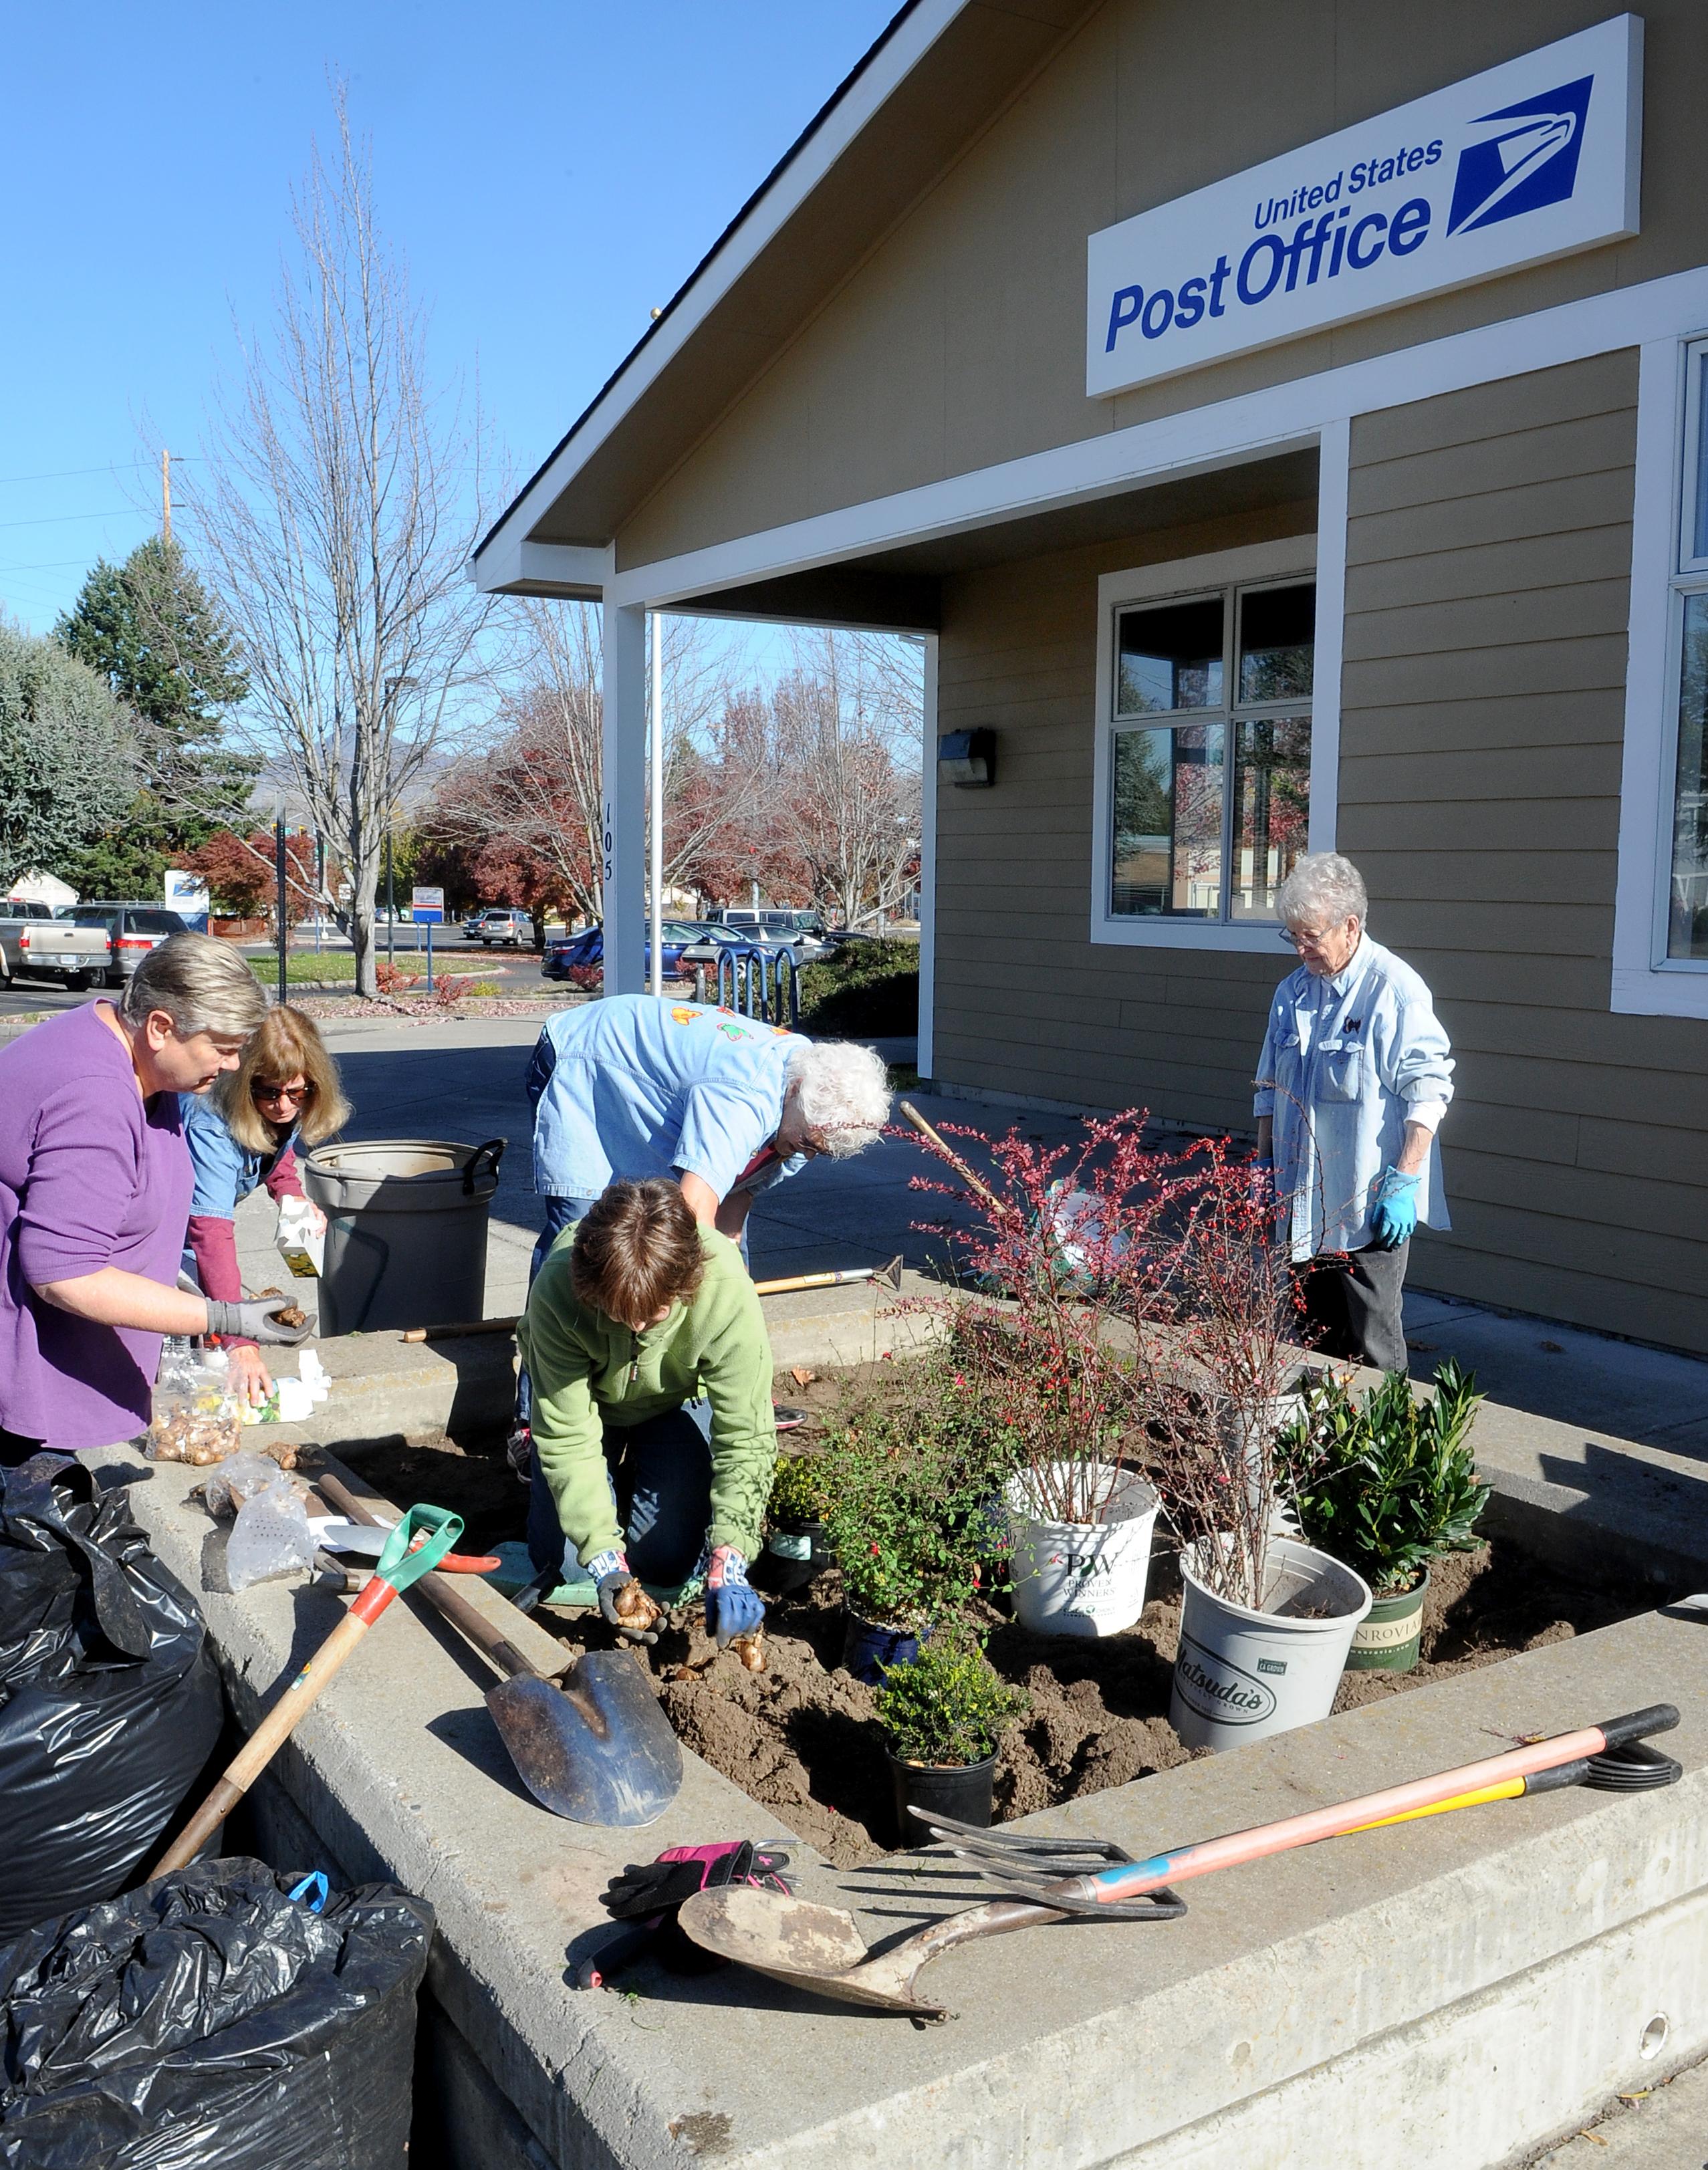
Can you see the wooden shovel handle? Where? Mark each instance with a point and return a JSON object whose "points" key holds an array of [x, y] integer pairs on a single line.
{"points": [[259, 1751], [462, 1327], [941, 1144]]}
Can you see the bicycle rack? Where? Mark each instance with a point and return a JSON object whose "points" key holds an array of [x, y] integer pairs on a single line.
{"points": [[752, 980]]}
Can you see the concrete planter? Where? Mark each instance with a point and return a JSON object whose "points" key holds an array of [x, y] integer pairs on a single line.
{"points": [[1390, 1637], [1243, 1674], [960, 1790], [1081, 1577]]}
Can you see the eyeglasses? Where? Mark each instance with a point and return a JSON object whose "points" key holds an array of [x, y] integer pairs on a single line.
{"points": [[296, 1092]]}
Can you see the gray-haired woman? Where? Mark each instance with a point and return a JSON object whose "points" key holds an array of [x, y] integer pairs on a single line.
{"points": [[1354, 1079], [95, 1183]]}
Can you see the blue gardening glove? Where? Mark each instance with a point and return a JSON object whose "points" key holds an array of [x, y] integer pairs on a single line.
{"points": [[732, 1608], [1394, 1215], [623, 1602]]}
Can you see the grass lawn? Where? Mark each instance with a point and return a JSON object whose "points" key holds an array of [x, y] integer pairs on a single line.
{"points": [[305, 966]]}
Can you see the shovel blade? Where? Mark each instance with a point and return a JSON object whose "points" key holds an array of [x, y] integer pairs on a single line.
{"points": [[597, 1750], [816, 1948]]}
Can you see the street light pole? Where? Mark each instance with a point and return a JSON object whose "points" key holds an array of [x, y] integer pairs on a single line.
{"points": [[278, 877], [390, 904]]}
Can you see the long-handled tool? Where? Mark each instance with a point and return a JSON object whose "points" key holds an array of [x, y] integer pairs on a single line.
{"points": [[819, 1948], [418, 1542], [941, 1146], [592, 1743], [888, 1275]]}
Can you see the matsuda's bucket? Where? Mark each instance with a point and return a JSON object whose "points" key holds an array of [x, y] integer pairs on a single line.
{"points": [[406, 1221]]}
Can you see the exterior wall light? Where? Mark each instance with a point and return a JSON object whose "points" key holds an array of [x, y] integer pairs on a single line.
{"points": [[968, 759]]}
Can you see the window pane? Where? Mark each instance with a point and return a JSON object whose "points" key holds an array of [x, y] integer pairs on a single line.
{"points": [[1278, 631], [1272, 808], [1700, 479], [1170, 658], [1687, 932], [1168, 822]]}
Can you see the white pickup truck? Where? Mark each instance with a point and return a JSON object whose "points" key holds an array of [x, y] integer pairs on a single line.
{"points": [[33, 942]]}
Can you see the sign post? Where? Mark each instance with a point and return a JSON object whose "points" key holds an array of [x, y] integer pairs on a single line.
{"points": [[427, 909]]}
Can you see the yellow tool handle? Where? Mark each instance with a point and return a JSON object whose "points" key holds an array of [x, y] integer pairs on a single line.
{"points": [[1509, 1789]]}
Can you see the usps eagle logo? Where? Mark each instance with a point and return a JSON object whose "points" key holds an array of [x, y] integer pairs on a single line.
{"points": [[1528, 159]]}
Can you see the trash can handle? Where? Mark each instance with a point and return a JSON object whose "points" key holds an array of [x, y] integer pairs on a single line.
{"points": [[472, 1170]]}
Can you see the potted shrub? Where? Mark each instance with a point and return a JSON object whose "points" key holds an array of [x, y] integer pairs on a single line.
{"points": [[943, 1717], [797, 1545], [1385, 1485], [909, 1485]]}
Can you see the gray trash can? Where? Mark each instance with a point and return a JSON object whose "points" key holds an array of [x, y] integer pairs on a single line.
{"points": [[405, 1231]]}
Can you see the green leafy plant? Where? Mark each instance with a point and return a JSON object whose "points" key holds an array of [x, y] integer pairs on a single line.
{"points": [[799, 1489], [870, 987], [1387, 1483], [950, 1706], [912, 1486]]}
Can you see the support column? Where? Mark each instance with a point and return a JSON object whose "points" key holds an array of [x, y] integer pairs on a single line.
{"points": [[928, 864], [623, 827]]}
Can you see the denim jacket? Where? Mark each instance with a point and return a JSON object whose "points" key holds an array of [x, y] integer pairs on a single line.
{"points": [[1345, 1061]]}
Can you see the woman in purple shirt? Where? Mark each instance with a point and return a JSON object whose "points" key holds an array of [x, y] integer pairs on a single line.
{"points": [[95, 1183]]}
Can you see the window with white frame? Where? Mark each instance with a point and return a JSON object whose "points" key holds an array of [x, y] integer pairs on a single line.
{"points": [[1209, 768], [1687, 890]]}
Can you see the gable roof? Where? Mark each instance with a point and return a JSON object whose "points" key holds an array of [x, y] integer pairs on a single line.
{"points": [[938, 71]]}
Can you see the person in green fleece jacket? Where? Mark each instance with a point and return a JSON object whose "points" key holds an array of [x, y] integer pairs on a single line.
{"points": [[653, 1437]]}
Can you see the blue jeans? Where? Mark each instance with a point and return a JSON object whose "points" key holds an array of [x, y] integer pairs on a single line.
{"points": [[660, 1476]]}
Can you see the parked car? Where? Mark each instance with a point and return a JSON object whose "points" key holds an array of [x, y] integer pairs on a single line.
{"points": [[36, 940], [804, 932], [573, 953], [133, 929], [502, 922]]}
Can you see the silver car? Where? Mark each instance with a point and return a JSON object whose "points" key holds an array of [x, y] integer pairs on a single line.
{"points": [[133, 929]]}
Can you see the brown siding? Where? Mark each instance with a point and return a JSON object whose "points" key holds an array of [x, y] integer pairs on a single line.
{"points": [[956, 339], [1025, 1002], [1488, 548]]}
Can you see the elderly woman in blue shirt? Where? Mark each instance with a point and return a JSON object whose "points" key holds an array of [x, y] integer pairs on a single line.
{"points": [[1355, 1077]]}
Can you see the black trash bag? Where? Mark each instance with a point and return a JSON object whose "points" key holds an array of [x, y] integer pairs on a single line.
{"points": [[212, 2022], [110, 1706]]}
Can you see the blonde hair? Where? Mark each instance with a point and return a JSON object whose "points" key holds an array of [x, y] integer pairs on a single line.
{"points": [[202, 985], [287, 1043]]}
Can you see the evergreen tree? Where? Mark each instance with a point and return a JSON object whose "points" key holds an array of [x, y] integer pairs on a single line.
{"points": [[150, 627], [68, 755]]}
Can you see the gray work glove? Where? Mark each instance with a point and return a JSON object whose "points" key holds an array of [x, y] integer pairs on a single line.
{"points": [[252, 1321]]}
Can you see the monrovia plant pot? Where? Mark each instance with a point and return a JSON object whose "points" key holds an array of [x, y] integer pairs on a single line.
{"points": [[797, 1549], [1081, 1577], [1243, 1672], [867, 1647], [961, 1790], [1390, 1635]]}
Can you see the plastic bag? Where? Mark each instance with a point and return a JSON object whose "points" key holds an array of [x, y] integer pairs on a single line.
{"points": [[238, 1480], [271, 1535], [212, 2021], [195, 1418], [109, 1704]]}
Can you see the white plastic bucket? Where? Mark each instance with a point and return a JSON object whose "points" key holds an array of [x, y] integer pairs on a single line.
{"points": [[1081, 1577], [1243, 1675]]}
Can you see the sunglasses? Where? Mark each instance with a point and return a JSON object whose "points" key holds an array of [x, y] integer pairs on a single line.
{"points": [[297, 1093]]}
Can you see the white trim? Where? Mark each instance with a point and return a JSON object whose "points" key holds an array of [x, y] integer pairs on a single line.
{"points": [[1645, 982], [928, 867], [542, 568], [623, 742], [871, 90], [1180, 577], [1333, 474], [1280, 418]]}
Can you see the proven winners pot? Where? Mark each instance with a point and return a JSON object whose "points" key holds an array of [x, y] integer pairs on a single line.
{"points": [[1243, 1674], [1080, 1577], [1390, 1635]]}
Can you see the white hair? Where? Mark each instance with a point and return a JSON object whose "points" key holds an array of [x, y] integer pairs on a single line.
{"points": [[1324, 887], [843, 1093]]}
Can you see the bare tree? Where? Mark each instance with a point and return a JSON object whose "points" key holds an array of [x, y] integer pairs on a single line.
{"points": [[341, 497]]}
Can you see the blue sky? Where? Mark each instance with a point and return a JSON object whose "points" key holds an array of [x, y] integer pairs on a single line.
{"points": [[549, 169]]}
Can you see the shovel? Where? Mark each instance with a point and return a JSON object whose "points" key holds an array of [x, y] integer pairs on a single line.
{"points": [[590, 1744], [818, 1947]]}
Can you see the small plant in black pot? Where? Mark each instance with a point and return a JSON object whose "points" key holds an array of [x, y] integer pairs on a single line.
{"points": [[1385, 1484], [943, 1718], [797, 1545]]}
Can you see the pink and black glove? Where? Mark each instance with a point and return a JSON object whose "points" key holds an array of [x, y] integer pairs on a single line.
{"points": [[659, 1887]]}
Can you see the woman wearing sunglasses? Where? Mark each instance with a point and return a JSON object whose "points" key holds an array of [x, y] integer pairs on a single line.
{"points": [[242, 1135]]}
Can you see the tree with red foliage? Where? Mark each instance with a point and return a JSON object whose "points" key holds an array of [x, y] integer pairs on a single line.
{"points": [[242, 878]]}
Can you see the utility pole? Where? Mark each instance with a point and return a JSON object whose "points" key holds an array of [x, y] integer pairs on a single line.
{"points": [[165, 494], [279, 863]]}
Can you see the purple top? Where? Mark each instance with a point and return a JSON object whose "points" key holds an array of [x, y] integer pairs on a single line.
{"points": [[91, 1175]]}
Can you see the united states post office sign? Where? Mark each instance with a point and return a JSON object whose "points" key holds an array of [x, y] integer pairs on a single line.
{"points": [[1535, 158]]}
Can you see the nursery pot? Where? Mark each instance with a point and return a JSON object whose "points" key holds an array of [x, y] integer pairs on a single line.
{"points": [[1243, 1673], [796, 1551], [1081, 1577], [867, 1647], [1389, 1638], [961, 1790]]}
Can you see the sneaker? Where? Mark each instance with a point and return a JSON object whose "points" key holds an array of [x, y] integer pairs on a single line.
{"points": [[788, 1419]]}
